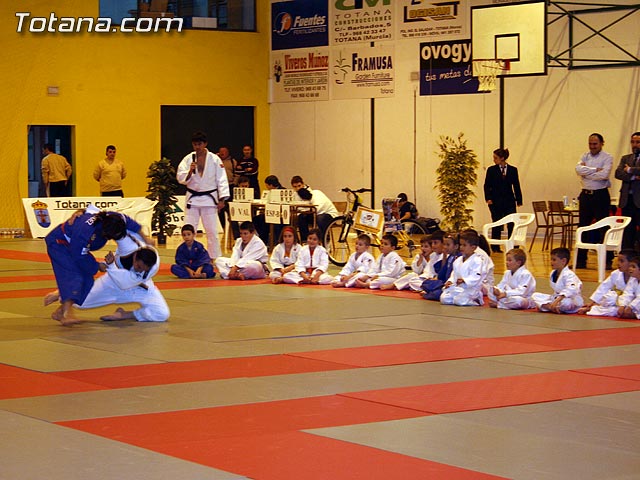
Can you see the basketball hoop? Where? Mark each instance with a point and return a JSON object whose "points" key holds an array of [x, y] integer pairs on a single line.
{"points": [[487, 70]]}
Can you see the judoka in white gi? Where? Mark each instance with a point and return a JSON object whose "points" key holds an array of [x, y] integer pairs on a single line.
{"points": [[567, 287], [464, 287], [387, 269], [312, 264], [129, 280], [207, 189], [608, 297], [284, 255], [629, 301], [422, 268], [517, 285], [359, 261], [248, 258]]}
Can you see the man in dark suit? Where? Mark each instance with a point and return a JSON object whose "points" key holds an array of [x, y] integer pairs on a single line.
{"points": [[629, 172], [502, 191]]}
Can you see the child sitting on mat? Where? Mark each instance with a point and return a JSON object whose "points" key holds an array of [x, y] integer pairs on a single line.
{"points": [[359, 261], [605, 300], [517, 285], [567, 287], [312, 264], [192, 259]]}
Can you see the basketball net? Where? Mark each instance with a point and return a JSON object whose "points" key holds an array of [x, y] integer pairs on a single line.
{"points": [[487, 70]]}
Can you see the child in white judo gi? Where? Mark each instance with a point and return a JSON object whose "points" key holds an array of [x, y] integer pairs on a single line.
{"points": [[421, 269], [464, 286], [248, 258], [387, 269], [629, 301], [567, 287], [517, 285], [359, 261], [605, 300], [284, 255], [312, 264]]}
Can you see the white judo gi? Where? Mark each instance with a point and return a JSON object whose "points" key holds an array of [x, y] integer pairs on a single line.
{"points": [[205, 207], [567, 284], [310, 264], [609, 296], [387, 269], [518, 286], [420, 271], [121, 285], [473, 272], [250, 260], [357, 263], [280, 260]]}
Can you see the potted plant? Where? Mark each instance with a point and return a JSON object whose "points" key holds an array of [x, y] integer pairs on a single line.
{"points": [[455, 177], [162, 188]]}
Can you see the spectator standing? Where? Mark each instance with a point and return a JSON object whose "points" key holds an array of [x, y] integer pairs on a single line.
{"points": [[594, 169], [629, 172], [55, 172], [110, 172], [248, 167]]}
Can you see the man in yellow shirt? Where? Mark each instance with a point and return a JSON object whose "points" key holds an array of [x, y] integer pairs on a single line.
{"points": [[110, 172], [55, 172]]}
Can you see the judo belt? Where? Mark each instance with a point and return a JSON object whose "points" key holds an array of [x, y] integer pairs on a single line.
{"points": [[194, 193]]}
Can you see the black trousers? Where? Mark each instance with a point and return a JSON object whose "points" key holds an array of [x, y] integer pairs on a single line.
{"points": [[58, 189], [115, 193], [594, 206], [499, 211]]}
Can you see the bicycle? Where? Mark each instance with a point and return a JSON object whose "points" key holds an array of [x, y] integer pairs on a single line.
{"points": [[340, 235]]}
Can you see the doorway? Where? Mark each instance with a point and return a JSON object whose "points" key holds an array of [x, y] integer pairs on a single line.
{"points": [[60, 136]]}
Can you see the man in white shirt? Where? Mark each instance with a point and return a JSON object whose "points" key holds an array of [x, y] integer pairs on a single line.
{"points": [[594, 169], [325, 211]]}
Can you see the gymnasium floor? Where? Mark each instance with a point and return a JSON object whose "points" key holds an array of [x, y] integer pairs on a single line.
{"points": [[277, 382]]}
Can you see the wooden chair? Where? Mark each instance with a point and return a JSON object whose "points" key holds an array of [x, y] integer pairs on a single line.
{"points": [[542, 223], [612, 240], [560, 223]]}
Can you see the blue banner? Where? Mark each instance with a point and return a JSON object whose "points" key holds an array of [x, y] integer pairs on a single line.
{"points": [[299, 24], [446, 69]]}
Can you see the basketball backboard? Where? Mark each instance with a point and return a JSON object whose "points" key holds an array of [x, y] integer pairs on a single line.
{"points": [[515, 32]]}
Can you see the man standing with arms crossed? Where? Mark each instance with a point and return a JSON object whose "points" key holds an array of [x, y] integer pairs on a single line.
{"points": [[594, 169], [629, 172]]}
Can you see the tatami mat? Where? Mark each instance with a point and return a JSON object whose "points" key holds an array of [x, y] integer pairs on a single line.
{"points": [[261, 381]]}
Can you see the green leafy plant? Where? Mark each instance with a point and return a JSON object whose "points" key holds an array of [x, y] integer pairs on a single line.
{"points": [[163, 186], [455, 177]]}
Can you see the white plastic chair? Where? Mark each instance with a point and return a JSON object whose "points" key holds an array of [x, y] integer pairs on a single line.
{"points": [[612, 240], [521, 222]]}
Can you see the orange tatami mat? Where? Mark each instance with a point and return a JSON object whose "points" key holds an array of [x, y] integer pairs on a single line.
{"points": [[475, 347], [199, 370], [499, 392], [18, 382]]}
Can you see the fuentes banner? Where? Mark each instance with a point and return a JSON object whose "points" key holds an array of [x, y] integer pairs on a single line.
{"points": [[299, 24]]}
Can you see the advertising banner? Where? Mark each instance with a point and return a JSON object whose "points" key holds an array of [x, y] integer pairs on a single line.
{"points": [[300, 75], [299, 24], [361, 21], [360, 71], [445, 68], [432, 19]]}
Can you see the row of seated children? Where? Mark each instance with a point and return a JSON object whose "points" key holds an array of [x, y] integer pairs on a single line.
{"points": [[448, 268]]}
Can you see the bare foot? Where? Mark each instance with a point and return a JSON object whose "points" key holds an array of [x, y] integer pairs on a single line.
{"points": [[240, 276], [493, 304], [203, 275], [66, 320], [119, 314], [583, 310], [390, 286], [51, 297], [276, 280]]}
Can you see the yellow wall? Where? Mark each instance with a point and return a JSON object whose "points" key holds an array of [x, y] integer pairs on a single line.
{"points": [[111, 89]]}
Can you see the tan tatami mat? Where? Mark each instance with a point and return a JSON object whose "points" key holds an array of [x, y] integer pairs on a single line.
{"points": [[273, 382]]}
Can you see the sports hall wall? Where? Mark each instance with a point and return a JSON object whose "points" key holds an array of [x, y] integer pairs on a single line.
{"points": [[547, 122], [111, 87]]}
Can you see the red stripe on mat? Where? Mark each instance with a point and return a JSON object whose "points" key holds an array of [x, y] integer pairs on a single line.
{"points": [[631, 372], [398, 354], [498, 392], [240, 420], [300, 455], [200, 370], [26, 278], [17, 382], [20, 255]]}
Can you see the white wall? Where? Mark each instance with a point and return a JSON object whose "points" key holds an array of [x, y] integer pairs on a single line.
{"points": [[547, 122]]}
